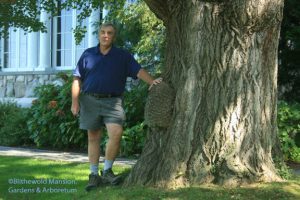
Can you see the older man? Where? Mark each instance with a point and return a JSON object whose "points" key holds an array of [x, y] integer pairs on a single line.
{"points": [[99, 83]]}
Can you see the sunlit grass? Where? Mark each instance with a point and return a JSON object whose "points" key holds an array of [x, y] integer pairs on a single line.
{"points": [[29, 169]]}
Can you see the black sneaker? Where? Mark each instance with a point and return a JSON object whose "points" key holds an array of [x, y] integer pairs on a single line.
{"points": [[108, 176], [94, 182]]}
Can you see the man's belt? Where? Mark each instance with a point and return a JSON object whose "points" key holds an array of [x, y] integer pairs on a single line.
{"points": [[102, 95]]}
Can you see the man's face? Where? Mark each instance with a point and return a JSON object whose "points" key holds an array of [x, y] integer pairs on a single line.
{"points": [[106, 36]]}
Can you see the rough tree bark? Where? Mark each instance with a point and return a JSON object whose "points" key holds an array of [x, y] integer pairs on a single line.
{"points": [[221, 61]]}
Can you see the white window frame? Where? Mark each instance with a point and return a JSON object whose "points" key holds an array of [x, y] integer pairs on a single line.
{"points": [[17, 67], [73, 43], [2, 53]]}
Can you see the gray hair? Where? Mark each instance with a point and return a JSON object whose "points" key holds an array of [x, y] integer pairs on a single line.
{"points": [[106, 24]]}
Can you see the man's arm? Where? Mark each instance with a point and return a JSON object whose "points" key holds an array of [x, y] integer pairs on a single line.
{"points": [[145, 76], [75, 95]]}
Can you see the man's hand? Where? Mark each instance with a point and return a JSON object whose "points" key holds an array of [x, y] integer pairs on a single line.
{"points": [[75, 108], [145, 76], [155, 82]]}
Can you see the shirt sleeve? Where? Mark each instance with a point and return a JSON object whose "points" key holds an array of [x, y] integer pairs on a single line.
{"points": [[133, 67], [77, 71]]}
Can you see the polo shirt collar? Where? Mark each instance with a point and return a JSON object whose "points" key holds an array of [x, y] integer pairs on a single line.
{"points": [[97, 49]]}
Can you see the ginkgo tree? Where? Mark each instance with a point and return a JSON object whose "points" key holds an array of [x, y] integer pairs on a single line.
{"points": [[213, 120]]}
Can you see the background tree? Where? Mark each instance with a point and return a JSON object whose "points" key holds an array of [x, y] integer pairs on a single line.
{"points": [[19, 14], [25, 14], [289, 48], [140, 32]]}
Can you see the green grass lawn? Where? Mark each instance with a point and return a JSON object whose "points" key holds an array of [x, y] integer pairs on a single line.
{"points": [[64, 180]]}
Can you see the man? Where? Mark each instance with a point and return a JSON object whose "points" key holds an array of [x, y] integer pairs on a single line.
{"points": [[99, 82]]}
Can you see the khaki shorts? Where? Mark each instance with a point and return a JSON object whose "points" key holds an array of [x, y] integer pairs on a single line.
{"points": [[96, 112]]}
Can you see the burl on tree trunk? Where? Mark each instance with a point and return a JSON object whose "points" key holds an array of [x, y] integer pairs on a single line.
{"points": [[221, 80]]}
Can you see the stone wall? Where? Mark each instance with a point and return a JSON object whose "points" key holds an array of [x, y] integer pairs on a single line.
{"points": [[18, 85]]}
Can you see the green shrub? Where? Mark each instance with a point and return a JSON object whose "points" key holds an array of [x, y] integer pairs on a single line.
{"points": [[289, 130], [133, 140], [134, 128], [13, 128], [283, 169], [52, 123], [134, 104]]}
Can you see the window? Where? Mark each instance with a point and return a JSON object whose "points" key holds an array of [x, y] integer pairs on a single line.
{"points": [[14, 51], [65, 51], [10, 50], [23, 46], [83, 44], [1, 55], [62, 39]]}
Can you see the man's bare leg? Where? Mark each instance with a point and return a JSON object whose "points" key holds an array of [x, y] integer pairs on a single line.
{"points": [[112, 149], [113, 145], [94, 137]]}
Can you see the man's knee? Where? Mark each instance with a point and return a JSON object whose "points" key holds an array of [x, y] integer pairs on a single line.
{"points": [[94, 135], [115, 131]]}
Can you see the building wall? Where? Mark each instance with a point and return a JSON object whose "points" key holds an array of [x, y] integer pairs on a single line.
{"points": [[20, 85]]}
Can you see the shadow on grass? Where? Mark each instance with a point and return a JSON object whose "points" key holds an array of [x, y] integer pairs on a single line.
{"points": [[75, 176]]}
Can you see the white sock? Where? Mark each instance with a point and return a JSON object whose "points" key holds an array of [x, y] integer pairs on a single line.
{"points": [[94, 168], [108, 164]]}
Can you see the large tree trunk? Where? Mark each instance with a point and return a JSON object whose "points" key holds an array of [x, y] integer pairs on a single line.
{"points": [[221, 61]]}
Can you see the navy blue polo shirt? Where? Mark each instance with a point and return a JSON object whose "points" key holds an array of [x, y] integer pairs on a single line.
{"points": [[105, 74]]}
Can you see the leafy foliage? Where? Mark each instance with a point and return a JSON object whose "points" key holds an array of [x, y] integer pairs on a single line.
{"points": [[51, 123], [134, 128], [139, 31], [25, 14], [19, 14], [289, 51], [289, 130], [13, 129], [134, 103], [283, 169], [133, 139]]}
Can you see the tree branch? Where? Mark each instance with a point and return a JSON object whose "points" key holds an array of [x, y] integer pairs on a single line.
{"points": [[159, 8]]}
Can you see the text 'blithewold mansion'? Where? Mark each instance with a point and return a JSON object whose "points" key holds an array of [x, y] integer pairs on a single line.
{"points": [[28, 60]]}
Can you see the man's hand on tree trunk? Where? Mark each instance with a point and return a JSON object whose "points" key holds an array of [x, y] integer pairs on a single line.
{"points": [[155, 82]]}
